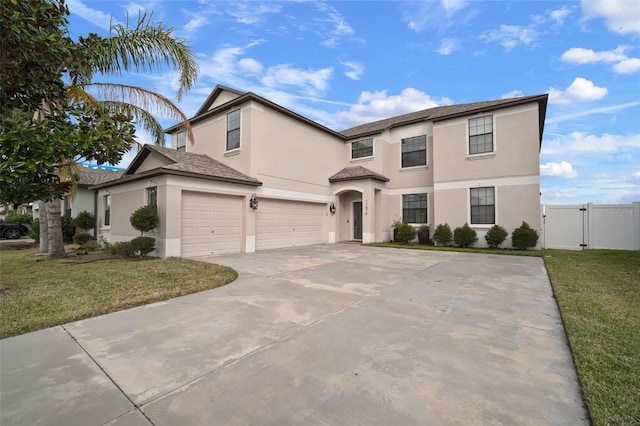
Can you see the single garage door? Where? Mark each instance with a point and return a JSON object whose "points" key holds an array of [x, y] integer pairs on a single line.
{"points": [[281, 223], [210, 224]]}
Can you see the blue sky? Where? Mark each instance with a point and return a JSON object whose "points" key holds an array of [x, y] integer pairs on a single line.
{"points": [[349, 62]]}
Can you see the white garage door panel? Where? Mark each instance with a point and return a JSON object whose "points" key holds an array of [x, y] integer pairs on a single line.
{"points": [[282, 223], [211, 224]]}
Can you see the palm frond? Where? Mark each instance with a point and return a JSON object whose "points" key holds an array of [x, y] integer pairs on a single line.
{"points": [[143, 100], [77, 95], [141, 116], [69, 173], [144, 48]]}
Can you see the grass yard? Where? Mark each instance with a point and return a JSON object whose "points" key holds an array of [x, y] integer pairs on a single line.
{"points": [[598, 292], [37, 292]]}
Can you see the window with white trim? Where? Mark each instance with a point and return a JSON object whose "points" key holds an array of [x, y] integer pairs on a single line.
{"points": [[107, 210], [483, 206], [414, 151], [414, 208], [233, 130], [181, 141], [481, 135], [363, 148], [152, 196]]}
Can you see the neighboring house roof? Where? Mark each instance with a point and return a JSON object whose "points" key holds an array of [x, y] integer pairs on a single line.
{"points": [[182, 164], [204, 113], [445, 113], [89, 176], [357, 172]]}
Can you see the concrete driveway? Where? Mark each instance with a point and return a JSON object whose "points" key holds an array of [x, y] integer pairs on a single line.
{"points": [[331, 334]]}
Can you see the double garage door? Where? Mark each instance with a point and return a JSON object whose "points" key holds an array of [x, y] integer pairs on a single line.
{"points": [[282, 223], [212, 224]]}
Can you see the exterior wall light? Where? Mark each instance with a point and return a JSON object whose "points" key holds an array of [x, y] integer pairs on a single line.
{"points": [[253, 202], [332, 208]]}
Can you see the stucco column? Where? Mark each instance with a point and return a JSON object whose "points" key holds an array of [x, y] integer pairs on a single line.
{"points": [[170, 212], [368, 214], [250, 218]]}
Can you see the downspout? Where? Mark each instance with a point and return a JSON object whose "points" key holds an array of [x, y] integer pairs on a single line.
{"points": [[95, 213]]}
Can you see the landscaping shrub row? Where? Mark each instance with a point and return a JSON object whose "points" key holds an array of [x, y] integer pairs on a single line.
{"points": [[523, 237]]}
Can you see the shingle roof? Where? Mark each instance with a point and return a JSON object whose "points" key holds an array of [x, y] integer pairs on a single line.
{"points": [[441, 113], [90, 176], [184, 164], [357, 172]]}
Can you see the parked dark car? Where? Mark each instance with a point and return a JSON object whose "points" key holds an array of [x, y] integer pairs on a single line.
{"points": [[13, 230]]}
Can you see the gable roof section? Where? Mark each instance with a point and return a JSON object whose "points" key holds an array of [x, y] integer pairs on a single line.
{"points": [[214, 95], [203, 113], [355, 173], [89, 176], [445, 113], [182, 164]]}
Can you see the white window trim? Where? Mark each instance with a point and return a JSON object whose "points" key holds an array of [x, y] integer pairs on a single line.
{"points": [[226, 133], [483, 155], [104, 209], [426, 154], [495, 208], [373, 150], [185, 141], [415, 225], [146, 194]]}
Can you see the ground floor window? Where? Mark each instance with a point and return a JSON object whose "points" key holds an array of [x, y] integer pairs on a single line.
{"points": [[152, 196], [414, 208], [483, 206], [107, 210]]}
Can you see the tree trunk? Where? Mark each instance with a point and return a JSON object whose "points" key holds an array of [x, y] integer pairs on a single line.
{"points": [[44, 227], [54, 221]]}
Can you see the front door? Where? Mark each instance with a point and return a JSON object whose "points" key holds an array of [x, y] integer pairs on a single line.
{"points": [[357, 220]]}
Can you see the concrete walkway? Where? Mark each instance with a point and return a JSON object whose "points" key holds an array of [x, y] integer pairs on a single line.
{"points": [[331, 334]]}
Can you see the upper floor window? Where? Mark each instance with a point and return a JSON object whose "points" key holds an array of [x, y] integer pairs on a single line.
{"points": [[481, 134], [414, 208], [363, 148], [152, 196], [483, 206], [414, 151], [233, 130], [107, 210], [181, 141]]}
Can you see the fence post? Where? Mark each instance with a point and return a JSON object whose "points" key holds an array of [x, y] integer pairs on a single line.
{"points": [[636, 225]]}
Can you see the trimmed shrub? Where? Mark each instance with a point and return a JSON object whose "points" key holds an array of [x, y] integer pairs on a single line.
{"points": [[82, 239], [524, 237], [495, 236], [19, 217], [35, 230], [145, 219], [464, 236], [68, 229], [442, 235], [85, 220], [404, 232], [143, 245], [120, 248]]}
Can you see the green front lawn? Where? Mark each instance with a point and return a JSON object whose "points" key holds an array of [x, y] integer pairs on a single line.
{"points": [[37, 292]]}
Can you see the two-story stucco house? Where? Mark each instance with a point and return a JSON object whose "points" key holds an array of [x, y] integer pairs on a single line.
{"points": [[260, 176]]}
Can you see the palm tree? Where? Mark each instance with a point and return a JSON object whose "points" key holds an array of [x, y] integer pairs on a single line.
{"points": [[145, 48]]}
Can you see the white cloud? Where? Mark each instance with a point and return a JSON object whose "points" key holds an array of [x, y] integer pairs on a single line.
{"points": [[592, 111], [621, 16], [354, 70], [635, 178], [432, 14], [563, 169], [372, 106], [95, 16], [452, 6], [340, 27], [582, 143], [628, 66], [512, 94], [579, 55], [624, 64], [581, 90], [196, 23], [510, 36], [558, 15], [250, 66], [448, 46], [251, 13], [310, 81]]}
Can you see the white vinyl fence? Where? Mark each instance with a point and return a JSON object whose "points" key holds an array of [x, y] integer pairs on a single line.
{"points": [[591, 226]]}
